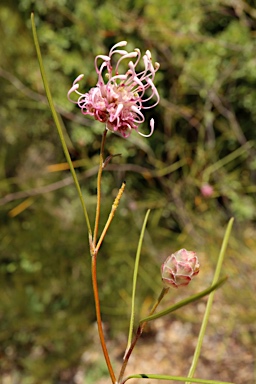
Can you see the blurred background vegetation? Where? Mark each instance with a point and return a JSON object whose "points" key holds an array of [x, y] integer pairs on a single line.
{"points": [[205, 135]]}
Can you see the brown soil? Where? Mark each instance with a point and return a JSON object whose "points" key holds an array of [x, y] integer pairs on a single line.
{"points": [[168, 349]]}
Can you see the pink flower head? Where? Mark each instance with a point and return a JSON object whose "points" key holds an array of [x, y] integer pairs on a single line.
{"points": [[206, 190], [179, 268], [119, 101]]}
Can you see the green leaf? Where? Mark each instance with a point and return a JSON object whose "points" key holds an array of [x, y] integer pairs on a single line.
{"points": [[58, 123], [187, 301], [135, 274], [177, 378], [210, 300]]}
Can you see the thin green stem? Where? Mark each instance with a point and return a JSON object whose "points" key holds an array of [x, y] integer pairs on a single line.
{"points": [[138, 334], [98, 316], [97, 215], [135, 274], [58, 124], [210, 300]]}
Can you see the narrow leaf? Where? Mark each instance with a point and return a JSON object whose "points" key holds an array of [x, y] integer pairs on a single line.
{"points": [[187, 301], [177, 378], [135, 274], [57, 122], [210, 300]]}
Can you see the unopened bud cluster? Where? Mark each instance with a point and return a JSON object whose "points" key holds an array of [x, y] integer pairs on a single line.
{"points": [[179, 268]]}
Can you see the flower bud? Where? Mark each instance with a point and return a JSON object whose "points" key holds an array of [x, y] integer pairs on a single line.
{"points": [[179, 268]]}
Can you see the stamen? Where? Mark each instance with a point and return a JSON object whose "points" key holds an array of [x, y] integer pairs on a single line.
{"points": [[128, 55], [78, 78], [117, 77], [119, 51], [103, 57], [73, 89], [120, 44], [118, 111], [138, 58], [138, 112], [152, 127], [154, 93]]}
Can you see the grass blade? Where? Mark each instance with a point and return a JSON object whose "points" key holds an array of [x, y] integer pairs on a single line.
{"points": [[185, 302], [135, 274], [210, 300], [57, 122], [176, 378]]}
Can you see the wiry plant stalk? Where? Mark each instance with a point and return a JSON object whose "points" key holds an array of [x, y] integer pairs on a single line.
{"points": [[138, 334]]}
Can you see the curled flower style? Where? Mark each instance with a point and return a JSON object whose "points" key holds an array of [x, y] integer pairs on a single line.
{"points": [[179, 268], [119, 101]]}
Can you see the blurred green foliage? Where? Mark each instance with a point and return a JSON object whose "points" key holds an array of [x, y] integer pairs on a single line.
{"points": [[205, 134]]}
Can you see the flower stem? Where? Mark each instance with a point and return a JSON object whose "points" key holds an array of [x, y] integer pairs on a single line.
{"points": [[98, 315], [94, 253], [138, 334], [97, 215]]}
